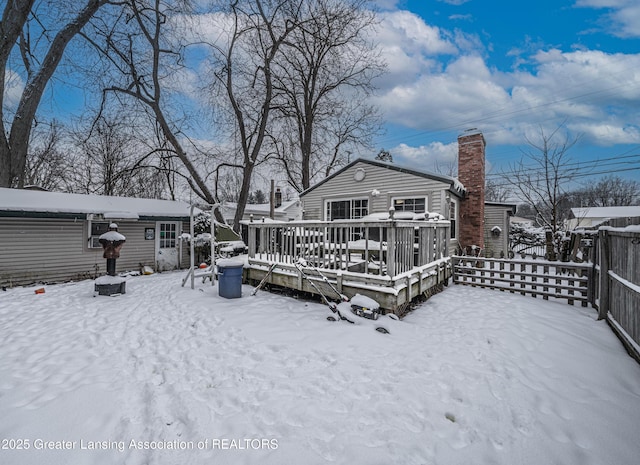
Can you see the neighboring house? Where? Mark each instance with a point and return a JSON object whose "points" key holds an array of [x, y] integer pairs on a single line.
{"points": [[52, 236], [365, 187], [593, 216], [288, 210], [526, 222], [497, 223]]}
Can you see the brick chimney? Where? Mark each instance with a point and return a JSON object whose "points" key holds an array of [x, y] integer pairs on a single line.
{"points": [[471, 146]]}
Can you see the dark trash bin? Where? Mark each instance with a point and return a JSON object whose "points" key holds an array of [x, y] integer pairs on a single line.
{"points": [[230, 278]]}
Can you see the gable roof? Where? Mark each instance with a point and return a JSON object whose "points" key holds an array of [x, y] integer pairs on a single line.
{"points": [[511, 207], [455, 185], [34, 203]]}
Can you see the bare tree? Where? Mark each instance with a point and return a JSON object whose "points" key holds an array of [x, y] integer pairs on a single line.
{"points": [[609, 191], [47, 165], [141, 48], [244, 77], [38, 64], [495, 192], [322, 80], [384, 155], [541, 176], [111, 160], [448, 168]]}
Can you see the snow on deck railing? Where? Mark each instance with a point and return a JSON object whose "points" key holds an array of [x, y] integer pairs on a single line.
{"points": [[383, 247]]}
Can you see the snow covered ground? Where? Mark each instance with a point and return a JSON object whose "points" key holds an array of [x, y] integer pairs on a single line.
{"points": [[170, 375]]}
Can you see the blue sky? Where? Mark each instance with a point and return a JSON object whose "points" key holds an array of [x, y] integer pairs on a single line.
{"points": [[510, 69]]}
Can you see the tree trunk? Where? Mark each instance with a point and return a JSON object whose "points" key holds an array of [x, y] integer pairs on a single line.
{"points": [[13, 153]]}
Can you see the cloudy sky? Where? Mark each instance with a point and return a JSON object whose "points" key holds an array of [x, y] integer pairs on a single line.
{"points": [[509, 69]]}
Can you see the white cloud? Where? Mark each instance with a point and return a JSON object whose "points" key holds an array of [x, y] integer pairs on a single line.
{"points": [[607, 134], [622, 17], [467, 17], [454, 2], [409, 46], [439, 82], [13, 87], [464, 91], [435, 157], [202, 28], [386, 4], [582, 88]]}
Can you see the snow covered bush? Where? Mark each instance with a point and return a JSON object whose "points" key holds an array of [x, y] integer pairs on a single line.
{"points": [[526, 238]]}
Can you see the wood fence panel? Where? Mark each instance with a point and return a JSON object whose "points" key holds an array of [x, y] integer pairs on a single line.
{"points": [[544, 279], [618, 292]]}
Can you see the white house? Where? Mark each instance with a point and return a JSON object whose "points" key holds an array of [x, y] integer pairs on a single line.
{"points": [[366, 187], [53, 236]]}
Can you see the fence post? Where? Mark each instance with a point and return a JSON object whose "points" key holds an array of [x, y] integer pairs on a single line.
{"points": [[454, 265], [391, 249], [252, 241], [603, 306], [591, 280]]}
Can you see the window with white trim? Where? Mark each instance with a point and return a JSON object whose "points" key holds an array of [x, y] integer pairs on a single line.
{"points": [[453, 215], [168, 235], [97, 229], [346, 209], [409, 204]]}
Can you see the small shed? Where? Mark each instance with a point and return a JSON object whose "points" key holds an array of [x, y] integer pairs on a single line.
{"points": [[53, 236], [497, 223]]}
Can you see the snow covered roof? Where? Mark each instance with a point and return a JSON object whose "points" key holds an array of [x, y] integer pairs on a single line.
{"points": [[511, 207], [289, 210], [606, 212], [261, 208], [456, 186], [31, 202]]}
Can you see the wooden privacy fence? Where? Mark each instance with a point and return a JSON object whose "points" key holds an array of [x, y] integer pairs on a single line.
{"points": [[609, 280], [566, 281], [616, 255]]}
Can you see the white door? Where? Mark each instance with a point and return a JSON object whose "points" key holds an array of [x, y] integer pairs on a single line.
{"points": [[167, 246]]}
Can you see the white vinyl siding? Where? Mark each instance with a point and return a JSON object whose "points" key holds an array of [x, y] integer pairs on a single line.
{"points": [[55, 250], [494, 244], [380, 186]]}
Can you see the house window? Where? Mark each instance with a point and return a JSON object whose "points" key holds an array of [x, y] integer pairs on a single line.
{"points": [[359, 208], [415, 205], [347, 209], [97, 230], [168, 236], [453, 214]]}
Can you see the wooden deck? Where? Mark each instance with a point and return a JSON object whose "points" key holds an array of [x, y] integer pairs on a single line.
{"points": [[393, 262]]}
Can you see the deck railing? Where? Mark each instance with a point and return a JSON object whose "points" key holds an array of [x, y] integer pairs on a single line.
{"points": [[383, 247]]}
